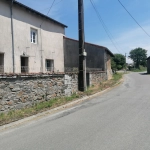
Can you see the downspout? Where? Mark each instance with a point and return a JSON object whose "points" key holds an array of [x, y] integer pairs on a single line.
{"points": [[41, 69], [12, 33]]}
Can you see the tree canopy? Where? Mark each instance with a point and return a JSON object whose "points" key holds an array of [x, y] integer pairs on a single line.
{"points": [[138, 55], [118, 62]]}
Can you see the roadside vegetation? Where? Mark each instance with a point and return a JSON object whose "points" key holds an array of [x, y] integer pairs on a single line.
{"points": [[104, 85], [140, 69], [118, 62], [137, 55], [15, 115]]}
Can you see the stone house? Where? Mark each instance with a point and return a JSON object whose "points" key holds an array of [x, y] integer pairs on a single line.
{"points": [[32, 46], [30, 42], [98, 57]]}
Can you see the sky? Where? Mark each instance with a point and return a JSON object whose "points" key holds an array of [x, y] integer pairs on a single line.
{"points": [[124, 32]]}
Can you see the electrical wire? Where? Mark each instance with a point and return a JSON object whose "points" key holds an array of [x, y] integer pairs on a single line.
{"points": [[104, 26], [134, 18], [53, 5], [49, 10]]}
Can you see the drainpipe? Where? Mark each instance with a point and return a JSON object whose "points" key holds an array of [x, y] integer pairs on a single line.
{"points": [[12, 33], [41, 69]]}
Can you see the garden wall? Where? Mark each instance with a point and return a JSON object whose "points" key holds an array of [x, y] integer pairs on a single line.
{"points": [[18, 91]]}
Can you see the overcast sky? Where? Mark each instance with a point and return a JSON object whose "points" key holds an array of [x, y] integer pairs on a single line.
{"points": [[126, 34]]}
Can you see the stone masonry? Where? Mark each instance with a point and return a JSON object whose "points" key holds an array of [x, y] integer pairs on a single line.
{"points": [[97, 77], [18, 91]]}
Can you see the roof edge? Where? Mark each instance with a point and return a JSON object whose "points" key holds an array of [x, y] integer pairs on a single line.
{"points": [[37, 12], [93, 45]]}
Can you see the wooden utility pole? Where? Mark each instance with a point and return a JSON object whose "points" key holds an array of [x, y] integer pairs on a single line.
{"points": [[82, 54]]}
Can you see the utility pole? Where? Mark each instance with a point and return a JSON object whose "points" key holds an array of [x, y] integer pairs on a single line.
{"points": [[82, 54]]}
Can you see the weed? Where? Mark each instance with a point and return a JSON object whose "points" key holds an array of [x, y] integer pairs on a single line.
{"points": [[141, 69]]}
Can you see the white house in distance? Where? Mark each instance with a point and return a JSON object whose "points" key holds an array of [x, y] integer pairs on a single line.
{"points": [[29, 41]]}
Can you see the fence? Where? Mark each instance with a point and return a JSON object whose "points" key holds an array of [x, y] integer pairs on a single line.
{"points": [[24, 69]]}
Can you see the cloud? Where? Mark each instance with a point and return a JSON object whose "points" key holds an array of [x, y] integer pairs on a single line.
{"points": [[128, 40]]}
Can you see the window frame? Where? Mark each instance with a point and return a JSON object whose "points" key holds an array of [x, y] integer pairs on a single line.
{"points": [[33, 36], [51, 65]]}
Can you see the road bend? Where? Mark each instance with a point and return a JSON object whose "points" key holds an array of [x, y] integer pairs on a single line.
{"points": [[116, 120]]}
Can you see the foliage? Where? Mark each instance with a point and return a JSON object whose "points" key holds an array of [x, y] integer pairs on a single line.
{"points": [[141, 69], [39, 107], [118, 62], [117, 76], [113, 65], [138, 55]]}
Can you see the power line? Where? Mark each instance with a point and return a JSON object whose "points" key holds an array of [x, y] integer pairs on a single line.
{"points": [[104, 26], [53, 5], [49, 10], [133, 18]]}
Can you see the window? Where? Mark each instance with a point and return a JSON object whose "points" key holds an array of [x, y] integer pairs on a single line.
{"points": [[33, 36], [49, 65]]}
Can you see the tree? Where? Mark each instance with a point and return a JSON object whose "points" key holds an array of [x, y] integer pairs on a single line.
{"points": [[138, 55], [118, 62], [113, 66]]}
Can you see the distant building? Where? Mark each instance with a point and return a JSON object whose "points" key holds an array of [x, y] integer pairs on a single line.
{"points": [[148, 65], [98, 57]]}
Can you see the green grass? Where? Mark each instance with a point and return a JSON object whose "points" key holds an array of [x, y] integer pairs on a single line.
{"points": [[40, 107], [142, 69], [15, 115], [104, 85], [117, 76]]}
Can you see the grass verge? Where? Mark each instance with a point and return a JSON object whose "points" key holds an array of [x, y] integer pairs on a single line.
{"points": [[104, 85], [15, 115], [141, 69]]}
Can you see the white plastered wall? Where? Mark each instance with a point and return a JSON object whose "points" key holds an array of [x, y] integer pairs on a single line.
{"points": [[49, 45], [5, 36]]}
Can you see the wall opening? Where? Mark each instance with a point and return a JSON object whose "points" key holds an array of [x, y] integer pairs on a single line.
{"points": [[49, 65], [24, 65], [1, 63], [87, 79]]}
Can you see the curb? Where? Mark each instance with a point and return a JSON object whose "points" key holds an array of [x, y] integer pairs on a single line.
{"points": [[55, 110]]}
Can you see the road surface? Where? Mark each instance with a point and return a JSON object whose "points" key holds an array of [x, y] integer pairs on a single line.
{"points": [[116, 120]]}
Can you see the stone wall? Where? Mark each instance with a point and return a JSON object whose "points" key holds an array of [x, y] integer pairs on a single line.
{"points": [[17, 92], [71, 82], [97, 77], [109, 70]]}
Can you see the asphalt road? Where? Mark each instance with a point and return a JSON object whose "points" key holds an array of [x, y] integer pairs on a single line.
{"points": [[116, 120]]}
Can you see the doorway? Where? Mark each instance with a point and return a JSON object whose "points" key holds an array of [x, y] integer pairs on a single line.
{"points": [[1, 63], [88, 79], [24, 65]]}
